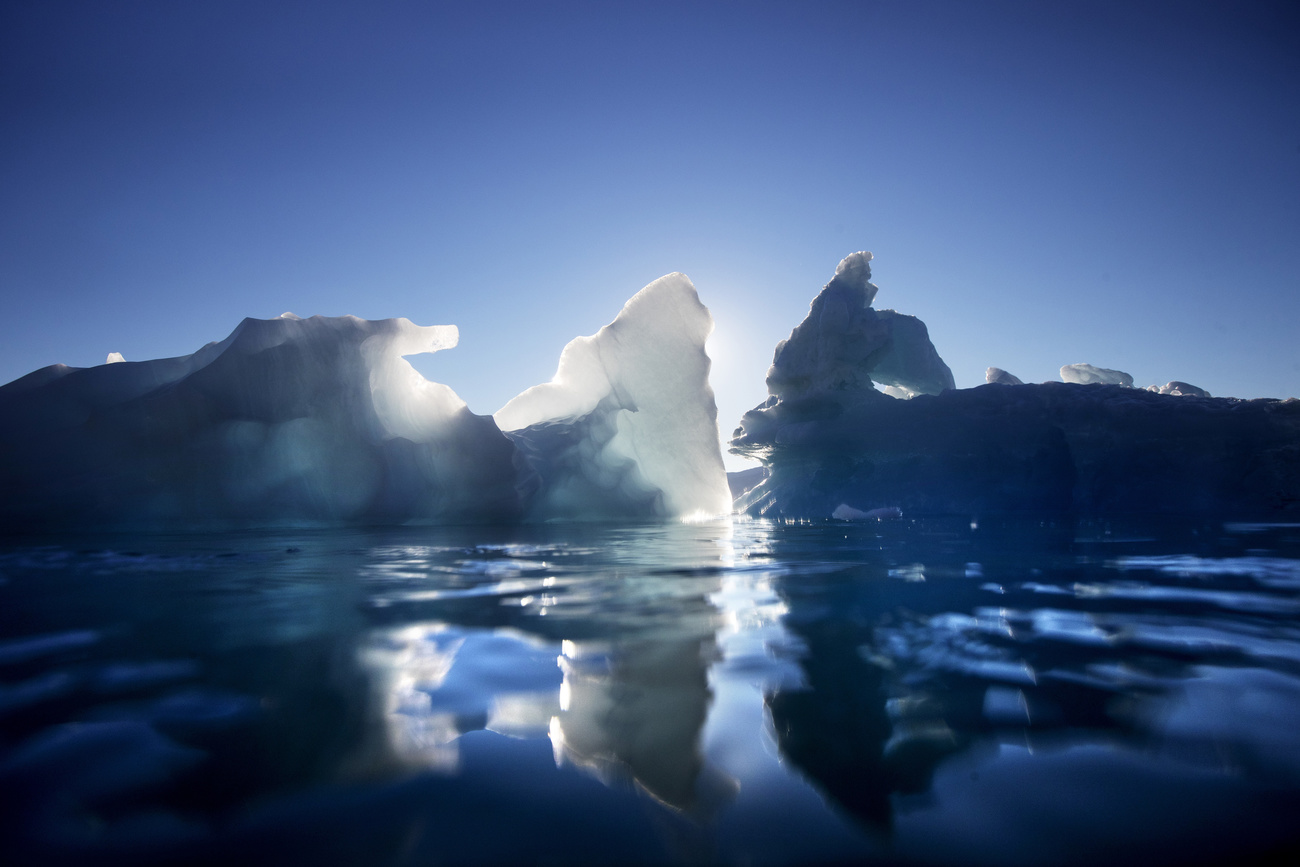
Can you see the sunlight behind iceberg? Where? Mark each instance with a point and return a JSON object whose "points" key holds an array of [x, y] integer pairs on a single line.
{"points": [[323, 422], [629, 420]]}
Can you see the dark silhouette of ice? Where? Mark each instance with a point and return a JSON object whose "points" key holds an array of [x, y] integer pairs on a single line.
{"points": [[836, 447]]}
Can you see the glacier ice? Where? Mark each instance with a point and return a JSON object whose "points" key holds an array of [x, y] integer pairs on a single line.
{"points": [[114, 358], [835, 447], [998, 375], [1086, 374], [742, 481], [845, 346], [321, 421], [1179, 388], [629, 419], [286, 421]]}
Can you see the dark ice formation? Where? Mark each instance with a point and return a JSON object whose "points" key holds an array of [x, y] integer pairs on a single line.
{"points": [[998, 375], [845, 346], [321, 421], [286, 421], [834, 447]]}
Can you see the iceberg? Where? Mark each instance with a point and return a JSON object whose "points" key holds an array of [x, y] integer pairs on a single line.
{"points": [[322, 421], [998, 375], [845, 346], [628, 426], [1086, 374], [836, 448], [1179, 388]]}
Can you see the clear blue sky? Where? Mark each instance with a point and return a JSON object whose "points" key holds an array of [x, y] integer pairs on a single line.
{"points": [[1043, 183]]}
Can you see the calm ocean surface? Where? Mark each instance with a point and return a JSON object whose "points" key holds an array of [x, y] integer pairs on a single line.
{"points": [[947, 692]]}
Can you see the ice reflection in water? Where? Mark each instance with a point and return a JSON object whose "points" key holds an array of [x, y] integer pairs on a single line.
{"points": [[955, 692]]}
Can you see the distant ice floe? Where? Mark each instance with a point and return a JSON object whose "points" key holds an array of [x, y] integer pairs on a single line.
{"points": [[1181, 389], [1086, 374], [322, 421], [1001, 377], [835, 447]]}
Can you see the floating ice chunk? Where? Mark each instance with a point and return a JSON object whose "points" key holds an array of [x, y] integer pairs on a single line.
{"points": [[322, 421], [1181, 389], [114, 358], [828, 440], [854, 274], [285, 422], [844, 345], [629, 422], [1001, 377], [1031, 448], [1086, 374], [1049, 447]]}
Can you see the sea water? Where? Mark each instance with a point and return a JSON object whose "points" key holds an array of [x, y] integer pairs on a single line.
{"points": [[974, 691]]}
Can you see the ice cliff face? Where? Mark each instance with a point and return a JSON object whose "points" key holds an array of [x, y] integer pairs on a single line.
{"points": [[835, 447], [845, 345], [322, 421], [286, 421], [1000, 376], [628, 425]]}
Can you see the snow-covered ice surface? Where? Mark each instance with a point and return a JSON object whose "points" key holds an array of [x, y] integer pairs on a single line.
{"points": [[1087, 374], [321, 421], [837, 447], [998, 375], [1179, 388]]}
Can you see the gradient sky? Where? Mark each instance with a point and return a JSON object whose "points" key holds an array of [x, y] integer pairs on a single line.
{"points": [[1042, 183]]}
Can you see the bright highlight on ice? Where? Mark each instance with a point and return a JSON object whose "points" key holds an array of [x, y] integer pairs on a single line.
{"points": [[295, 421]]}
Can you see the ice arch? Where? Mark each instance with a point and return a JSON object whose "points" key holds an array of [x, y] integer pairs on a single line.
{"points": [[321, 421]]}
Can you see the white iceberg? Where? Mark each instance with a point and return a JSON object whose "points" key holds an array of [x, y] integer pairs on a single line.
{"points": [[321, 421], [629, 420], [999, 376], [1180, 389], [1086, 374]]}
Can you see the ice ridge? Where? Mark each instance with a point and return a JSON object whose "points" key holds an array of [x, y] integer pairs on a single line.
{"points": [[834, 447], [322, 421]]}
